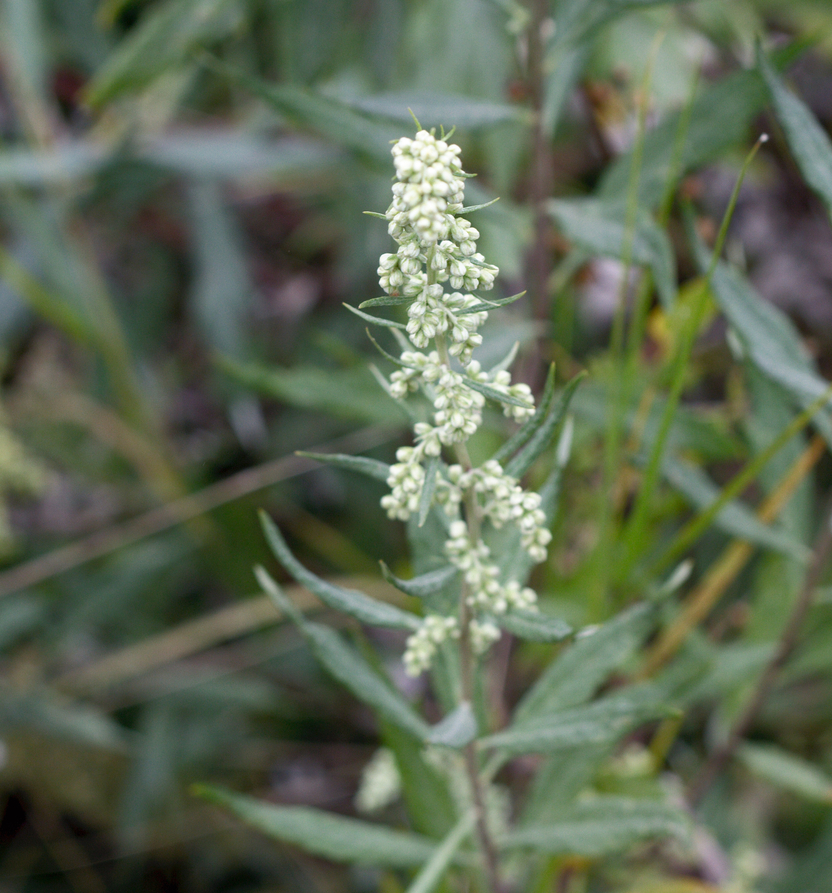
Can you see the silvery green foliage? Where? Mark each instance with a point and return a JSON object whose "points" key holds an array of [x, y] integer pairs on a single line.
{"points": [[437, 254], [485, 532]]}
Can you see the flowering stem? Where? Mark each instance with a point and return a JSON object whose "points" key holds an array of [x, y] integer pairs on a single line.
{"points": [[467, 661]]}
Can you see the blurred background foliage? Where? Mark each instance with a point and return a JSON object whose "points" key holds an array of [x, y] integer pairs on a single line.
{"points": [[183, 184]]}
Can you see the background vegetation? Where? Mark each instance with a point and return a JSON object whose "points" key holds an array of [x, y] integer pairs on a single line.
{"points": [[182, 192]]}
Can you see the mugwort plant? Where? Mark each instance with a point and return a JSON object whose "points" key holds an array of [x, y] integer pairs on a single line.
{"points": [[476, 533]]}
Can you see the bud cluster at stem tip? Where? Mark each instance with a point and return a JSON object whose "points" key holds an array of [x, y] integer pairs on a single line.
{"points": [[438, 248]]}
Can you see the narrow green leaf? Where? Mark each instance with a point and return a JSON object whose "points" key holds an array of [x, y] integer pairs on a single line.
{"points": [[491, 305], [425, 788], [362, 464], [345, 393], [524, 433], [164, 39], [386, 301], [493, 393], [431, 875], [471, 208], [428, 489], [600, 826], [534, 626], [424, 584], [719, 119], [434, 109], [543, 436], [604, 721], [808, 141], [347, 666], [330, 118], [600, 227], [222, 288], [559, 779], [786, 771], [457, 729], [576, 673], [734, 518], [348, 601], [331, 836], [376, 320], [388, 356], [768, 337]]}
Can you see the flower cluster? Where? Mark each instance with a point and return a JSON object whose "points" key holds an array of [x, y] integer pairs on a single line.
{"points": [[438, 246]]}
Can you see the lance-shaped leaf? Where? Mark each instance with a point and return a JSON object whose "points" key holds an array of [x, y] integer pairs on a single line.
{"points": [[375, 320], [493, 394], [576, 673], [602, 722], [428, 489], [600, 228], [362, 464], [432, 873], [787, 771], [333, 837], [323, 115], [348, 601], [424, 584], [600, 826], [524, 433], [386, 301], [534, 626], [491, 305], [542, 437], [808, 141], [734, 518], [346, 665], [457, 729], [768, 336]]}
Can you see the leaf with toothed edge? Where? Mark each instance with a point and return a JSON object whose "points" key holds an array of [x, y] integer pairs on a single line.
{"points": [[348, 601]]}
